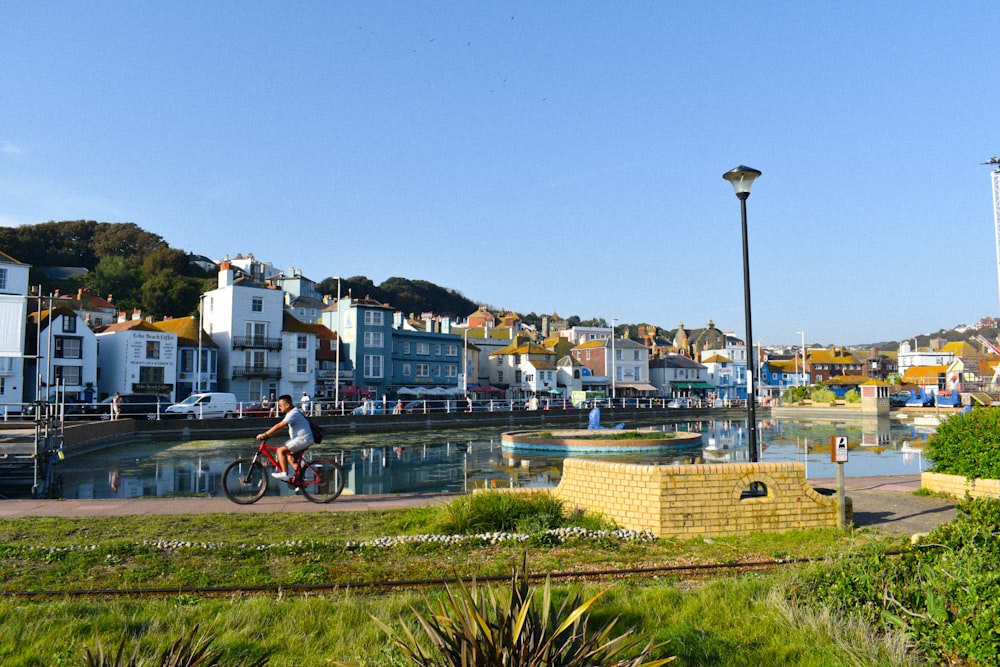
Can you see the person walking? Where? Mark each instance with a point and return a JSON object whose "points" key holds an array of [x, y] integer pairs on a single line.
{"points": [[116, 406], [304, 403]]}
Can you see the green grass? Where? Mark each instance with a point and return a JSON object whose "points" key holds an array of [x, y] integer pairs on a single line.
{"points": [[726, 621]]}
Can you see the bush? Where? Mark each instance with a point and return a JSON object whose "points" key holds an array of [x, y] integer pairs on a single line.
{"points": [[795, 394], [500, 511], [823, 395], [853, 396], [942, 594], [968, 444]]}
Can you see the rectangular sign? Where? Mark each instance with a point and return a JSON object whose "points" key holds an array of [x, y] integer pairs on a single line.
{"points": [[838, 448]]}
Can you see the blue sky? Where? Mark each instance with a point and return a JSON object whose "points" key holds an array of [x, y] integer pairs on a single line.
{"points": [[540, 156]]}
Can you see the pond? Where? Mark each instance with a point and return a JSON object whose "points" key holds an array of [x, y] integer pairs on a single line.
{"points": [[461, 460]]}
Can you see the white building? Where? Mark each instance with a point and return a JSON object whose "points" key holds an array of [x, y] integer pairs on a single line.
{"points": [[247, 321], [136, 358], [13, 315], [62, 357]]}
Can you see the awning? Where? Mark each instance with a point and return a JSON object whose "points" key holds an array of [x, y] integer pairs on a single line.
{"points": [[639, 386], [692, 385]]}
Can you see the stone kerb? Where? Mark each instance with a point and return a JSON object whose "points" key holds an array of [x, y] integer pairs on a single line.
{"points": [[959, 486], [708, 500]]}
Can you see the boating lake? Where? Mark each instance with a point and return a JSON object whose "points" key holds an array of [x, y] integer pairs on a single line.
{"points": [[461, 460]]}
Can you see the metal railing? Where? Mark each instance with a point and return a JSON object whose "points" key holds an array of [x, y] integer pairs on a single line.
{"points": [[257, 342]]}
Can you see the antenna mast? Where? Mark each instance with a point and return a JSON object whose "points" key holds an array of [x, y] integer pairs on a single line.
{"points": [[995, 176]]}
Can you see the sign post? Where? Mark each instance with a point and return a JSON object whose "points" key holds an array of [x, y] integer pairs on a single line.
{"points": [[838, 455]]}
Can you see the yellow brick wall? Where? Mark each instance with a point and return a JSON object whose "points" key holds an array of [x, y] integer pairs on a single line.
{"points": [[697, 500], [958, 486]]}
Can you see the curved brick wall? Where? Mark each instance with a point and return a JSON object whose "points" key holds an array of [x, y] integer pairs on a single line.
{"points": [[698, 500]]}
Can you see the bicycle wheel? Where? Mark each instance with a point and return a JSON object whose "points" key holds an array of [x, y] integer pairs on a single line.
{"points": [[322, 480], [244, 481]]}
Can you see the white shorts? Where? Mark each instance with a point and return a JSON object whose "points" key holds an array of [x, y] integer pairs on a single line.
{"points": [[299, 444]]}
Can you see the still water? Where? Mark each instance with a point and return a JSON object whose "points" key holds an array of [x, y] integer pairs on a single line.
{"points": [[460, 460]]}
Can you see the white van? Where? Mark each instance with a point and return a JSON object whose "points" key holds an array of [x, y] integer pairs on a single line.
{"points": [[204, 406]]}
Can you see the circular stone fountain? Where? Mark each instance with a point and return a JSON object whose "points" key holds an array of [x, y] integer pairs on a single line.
{"points": [[594, 440]]}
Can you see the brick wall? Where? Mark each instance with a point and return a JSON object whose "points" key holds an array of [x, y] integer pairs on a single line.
{"points": [[698, 500], [958, 486]]}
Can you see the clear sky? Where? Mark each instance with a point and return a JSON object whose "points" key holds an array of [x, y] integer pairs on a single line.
{"points": [[558, 157]]}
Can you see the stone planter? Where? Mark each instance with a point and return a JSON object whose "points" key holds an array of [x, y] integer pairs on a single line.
{"points": [[960, 487]]}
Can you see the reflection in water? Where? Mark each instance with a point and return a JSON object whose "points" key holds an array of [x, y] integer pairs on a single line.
{"points": [[460, 460]]}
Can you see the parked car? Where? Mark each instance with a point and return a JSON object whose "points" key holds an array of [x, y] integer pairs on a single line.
{"points": [[682, 402], [204, 406], [142, 406], [491, 406]]}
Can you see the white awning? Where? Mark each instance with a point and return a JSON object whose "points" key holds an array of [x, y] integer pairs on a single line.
{"points": [[638, 386]]}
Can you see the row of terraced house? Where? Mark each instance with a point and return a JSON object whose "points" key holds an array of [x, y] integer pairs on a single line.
{"points": [[265, 332]]}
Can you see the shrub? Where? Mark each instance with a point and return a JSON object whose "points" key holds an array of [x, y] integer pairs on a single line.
{"points": [[823, 395], [482, 627], [941, 594], [968, 444], [853, 396], [499, 511]]}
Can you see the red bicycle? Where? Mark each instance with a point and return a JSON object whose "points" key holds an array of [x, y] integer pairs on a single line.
{"points": [[245, 480]]}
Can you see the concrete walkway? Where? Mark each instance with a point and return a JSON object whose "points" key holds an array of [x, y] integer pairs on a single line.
{"points": [[885, 503]]}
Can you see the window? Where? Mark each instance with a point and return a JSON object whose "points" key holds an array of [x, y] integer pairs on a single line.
{"points": [[437, 350], [152, 349], [373, 318], [423, 370], [635, 355], [151, 374], [69, 324], [423, 348], [67, 347], [301, 342], [301, 364], [529, 377], [451, 350], [256, 331], [3, 278], [68, 375], [500, 377], [407, 370], [451, 371], [187, 361], [255, 359], [257, 304], [436, 370], [373, 339], [406, 347], [373, 365], [517, 377]]}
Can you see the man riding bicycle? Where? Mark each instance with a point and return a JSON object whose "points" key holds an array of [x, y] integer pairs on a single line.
{"points": [[300, 437]]}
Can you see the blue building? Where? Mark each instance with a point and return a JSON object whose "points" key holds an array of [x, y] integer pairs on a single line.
{"points": [[385, 356]]}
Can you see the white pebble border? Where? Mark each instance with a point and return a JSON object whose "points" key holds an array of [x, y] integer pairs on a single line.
{"points": [[558, 535]]}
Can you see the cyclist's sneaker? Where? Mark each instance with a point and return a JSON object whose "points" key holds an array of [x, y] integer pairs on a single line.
{"points": [[280, 476]]}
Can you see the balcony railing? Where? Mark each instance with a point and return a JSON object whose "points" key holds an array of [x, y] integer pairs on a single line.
{"points": [[256, 372], [256, 342]]}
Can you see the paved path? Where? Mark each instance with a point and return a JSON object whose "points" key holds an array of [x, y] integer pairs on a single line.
{"points": [[886, 503]]}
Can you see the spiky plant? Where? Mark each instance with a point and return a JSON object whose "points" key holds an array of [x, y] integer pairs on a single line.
{"points": [[187, 651], [479, 626]]}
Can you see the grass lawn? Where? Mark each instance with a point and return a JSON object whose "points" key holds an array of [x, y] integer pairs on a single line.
{"points": [[721, 620]]}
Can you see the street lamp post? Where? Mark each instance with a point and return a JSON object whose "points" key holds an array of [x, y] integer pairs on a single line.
{"points": [[802, 377], [741, 178], [614, 363], [336, 370]]}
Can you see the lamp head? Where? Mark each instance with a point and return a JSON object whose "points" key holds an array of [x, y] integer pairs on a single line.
{"points": [[741, 178]]}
